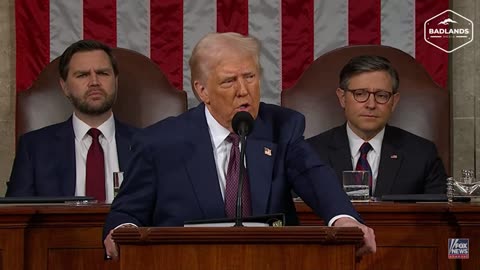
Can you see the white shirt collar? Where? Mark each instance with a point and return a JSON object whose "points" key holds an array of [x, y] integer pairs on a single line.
{"points": [[80, 128], [355, 141], [218, 133]]}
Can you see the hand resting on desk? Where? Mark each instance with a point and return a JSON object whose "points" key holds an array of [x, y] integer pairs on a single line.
{"points": [[369, 244], [111, 247]]}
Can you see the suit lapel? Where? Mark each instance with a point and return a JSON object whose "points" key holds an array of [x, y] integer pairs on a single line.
{"points": [[65, 148], [340, 156], [261, 153], [390, 161], [200, 164], [122, 138]]}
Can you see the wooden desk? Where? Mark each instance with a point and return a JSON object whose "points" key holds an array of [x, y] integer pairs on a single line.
{"points": [[53, 237], [415, 235], [409, 236]]}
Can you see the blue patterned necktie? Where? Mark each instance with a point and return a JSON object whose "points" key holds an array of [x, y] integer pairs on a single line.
{"points": [[362, 163], [232, 181]]}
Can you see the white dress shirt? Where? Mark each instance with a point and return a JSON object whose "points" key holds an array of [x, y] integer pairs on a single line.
{"points": [[373, 156], [109, 146], [221, 152], [221, 148]]}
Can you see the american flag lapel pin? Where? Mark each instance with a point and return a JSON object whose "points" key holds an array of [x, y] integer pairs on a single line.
{"points": [[267, 151], [393, 156]]}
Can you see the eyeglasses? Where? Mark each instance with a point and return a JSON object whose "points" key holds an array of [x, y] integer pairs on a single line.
{"points": [[362, 95]]}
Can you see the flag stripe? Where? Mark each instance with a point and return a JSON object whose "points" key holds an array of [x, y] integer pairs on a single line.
{"points": [[265, 24], [363, 22], [100, 21], [292, 32], [32, 40], [331, 26], [66, 25], [166, 31], [232, 16], [398, 25], [433, 59], [297, 39], [199, 18], [133, 25]]}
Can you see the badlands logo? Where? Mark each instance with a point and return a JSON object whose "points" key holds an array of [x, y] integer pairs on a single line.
{"points": [[448, 29]]}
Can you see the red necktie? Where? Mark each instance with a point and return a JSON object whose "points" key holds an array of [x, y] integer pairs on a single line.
{"points": [[95, 177], [362, 163], [232, 181]]}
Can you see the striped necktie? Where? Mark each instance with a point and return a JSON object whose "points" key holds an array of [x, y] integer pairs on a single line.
{"points": [[362, 163]]}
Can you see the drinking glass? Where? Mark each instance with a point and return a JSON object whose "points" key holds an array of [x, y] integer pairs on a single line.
{"points": [[356, 185]]}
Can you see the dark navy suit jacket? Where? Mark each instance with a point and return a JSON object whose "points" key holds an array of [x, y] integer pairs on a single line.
{"points": [[173, 178], [409, 164], [45, 161]]}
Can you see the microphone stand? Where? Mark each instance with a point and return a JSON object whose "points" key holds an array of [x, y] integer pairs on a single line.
{"points": [[239, 205]]}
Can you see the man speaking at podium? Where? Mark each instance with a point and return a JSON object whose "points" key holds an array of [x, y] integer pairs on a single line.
{"points": [[181, 167]]}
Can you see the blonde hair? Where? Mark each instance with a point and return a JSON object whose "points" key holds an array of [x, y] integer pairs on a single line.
{"points": [[207, 52]]}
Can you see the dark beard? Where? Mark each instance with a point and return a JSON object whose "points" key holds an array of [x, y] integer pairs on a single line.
{"points": [[85, 108]]}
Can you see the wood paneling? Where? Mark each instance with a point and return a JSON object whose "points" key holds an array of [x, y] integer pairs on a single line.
{"points": [[409, 236], [237, 248], [75, 259], [415, 235]]}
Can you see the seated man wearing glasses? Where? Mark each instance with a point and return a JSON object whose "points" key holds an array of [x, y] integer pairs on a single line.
{"points": [[400, 162]]}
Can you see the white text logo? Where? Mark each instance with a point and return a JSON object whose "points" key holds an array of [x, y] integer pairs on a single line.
{"points": [[448, 28]]}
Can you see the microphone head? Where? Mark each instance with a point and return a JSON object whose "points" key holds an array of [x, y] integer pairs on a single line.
{"points": [[242, 123]]}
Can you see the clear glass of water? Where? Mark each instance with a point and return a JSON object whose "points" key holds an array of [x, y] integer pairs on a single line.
{"points": [[117, 181], [467, 185], [356, 185]]}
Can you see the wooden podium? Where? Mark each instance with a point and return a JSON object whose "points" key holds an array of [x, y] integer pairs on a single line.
{"points": [[237, 248]]}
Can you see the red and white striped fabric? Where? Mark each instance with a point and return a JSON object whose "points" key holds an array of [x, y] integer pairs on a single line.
{"points": [[293, 32]]}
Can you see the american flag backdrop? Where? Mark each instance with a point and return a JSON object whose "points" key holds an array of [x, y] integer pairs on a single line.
{"points": [[293, 32]]}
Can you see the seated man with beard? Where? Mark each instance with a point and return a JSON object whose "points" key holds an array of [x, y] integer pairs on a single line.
{"points": [[77, 157]]}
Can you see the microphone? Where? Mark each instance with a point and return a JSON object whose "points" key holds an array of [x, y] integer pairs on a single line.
{"points": [[242, 124]]}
